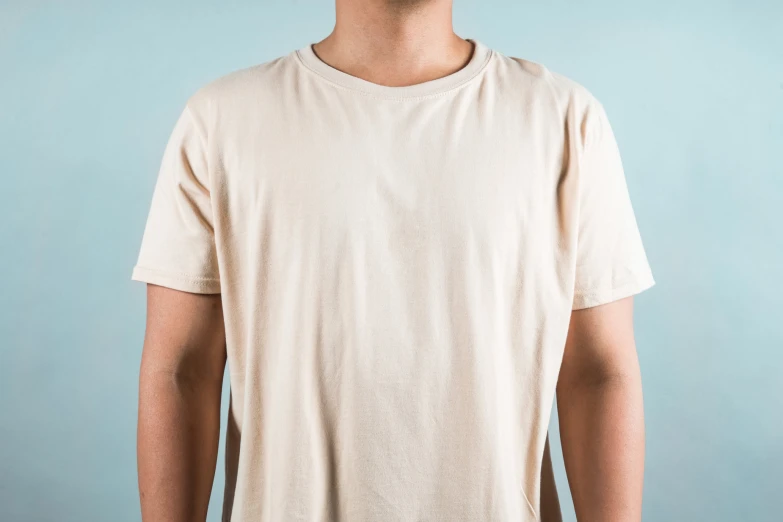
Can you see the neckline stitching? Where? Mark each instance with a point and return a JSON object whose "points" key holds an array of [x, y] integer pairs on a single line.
{"points": [[480, 69]]}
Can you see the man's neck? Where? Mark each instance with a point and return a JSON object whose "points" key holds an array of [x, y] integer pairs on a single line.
{"points": [[394, 42]]}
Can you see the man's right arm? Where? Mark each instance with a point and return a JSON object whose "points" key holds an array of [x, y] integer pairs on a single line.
{"points": [[179, 404]]}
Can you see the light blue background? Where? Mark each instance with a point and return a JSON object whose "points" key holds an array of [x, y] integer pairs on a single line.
{"points": [[89, 92]]}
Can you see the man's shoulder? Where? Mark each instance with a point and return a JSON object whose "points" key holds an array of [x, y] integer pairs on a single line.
{"points": [[241, 87], [538, 82]]}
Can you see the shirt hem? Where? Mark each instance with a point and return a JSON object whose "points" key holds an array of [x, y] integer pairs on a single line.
{"points": [[629, 288], [182, 282]]}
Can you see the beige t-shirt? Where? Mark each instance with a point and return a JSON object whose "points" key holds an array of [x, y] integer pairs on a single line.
{"points": [[397, 267]]}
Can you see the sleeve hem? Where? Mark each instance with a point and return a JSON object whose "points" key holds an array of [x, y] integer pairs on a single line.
{"points": [[634, 286], [182, 282]]}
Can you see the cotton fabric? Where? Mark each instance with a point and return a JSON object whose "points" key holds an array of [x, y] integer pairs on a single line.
{"points": [[397, 267]]}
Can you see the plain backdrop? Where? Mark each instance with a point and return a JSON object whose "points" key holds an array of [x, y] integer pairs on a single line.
{"points": [[89, 91]]}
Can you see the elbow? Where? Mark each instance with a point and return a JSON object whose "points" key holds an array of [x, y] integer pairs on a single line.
{"points": [[600, 378]]}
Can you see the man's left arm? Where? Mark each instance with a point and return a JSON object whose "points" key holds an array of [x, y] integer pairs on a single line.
{"points": [[599, 403]]}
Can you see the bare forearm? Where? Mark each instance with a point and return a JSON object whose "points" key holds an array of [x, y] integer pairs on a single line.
{"points": [[602, 434], [178, 434]]}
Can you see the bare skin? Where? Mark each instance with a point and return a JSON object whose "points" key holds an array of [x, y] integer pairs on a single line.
{"points": [[599, 402], [179, 404], [392, 43]]}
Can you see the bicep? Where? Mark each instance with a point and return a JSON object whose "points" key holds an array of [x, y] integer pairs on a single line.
{"points": [[185, 333], [600, 344]]}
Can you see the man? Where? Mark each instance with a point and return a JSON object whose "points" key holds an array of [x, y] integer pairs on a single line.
{"points": [[405, 245]]}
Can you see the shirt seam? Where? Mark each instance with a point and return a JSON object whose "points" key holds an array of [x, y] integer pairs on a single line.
{"points": [[640, 278], [480, 70], [179, 275]]}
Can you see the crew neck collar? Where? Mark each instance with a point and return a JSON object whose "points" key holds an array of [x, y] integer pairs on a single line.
{"points": [[478, 60]]}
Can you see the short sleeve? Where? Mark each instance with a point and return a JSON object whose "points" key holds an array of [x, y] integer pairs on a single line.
{"points": [[611, 263], [178, 245]]}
